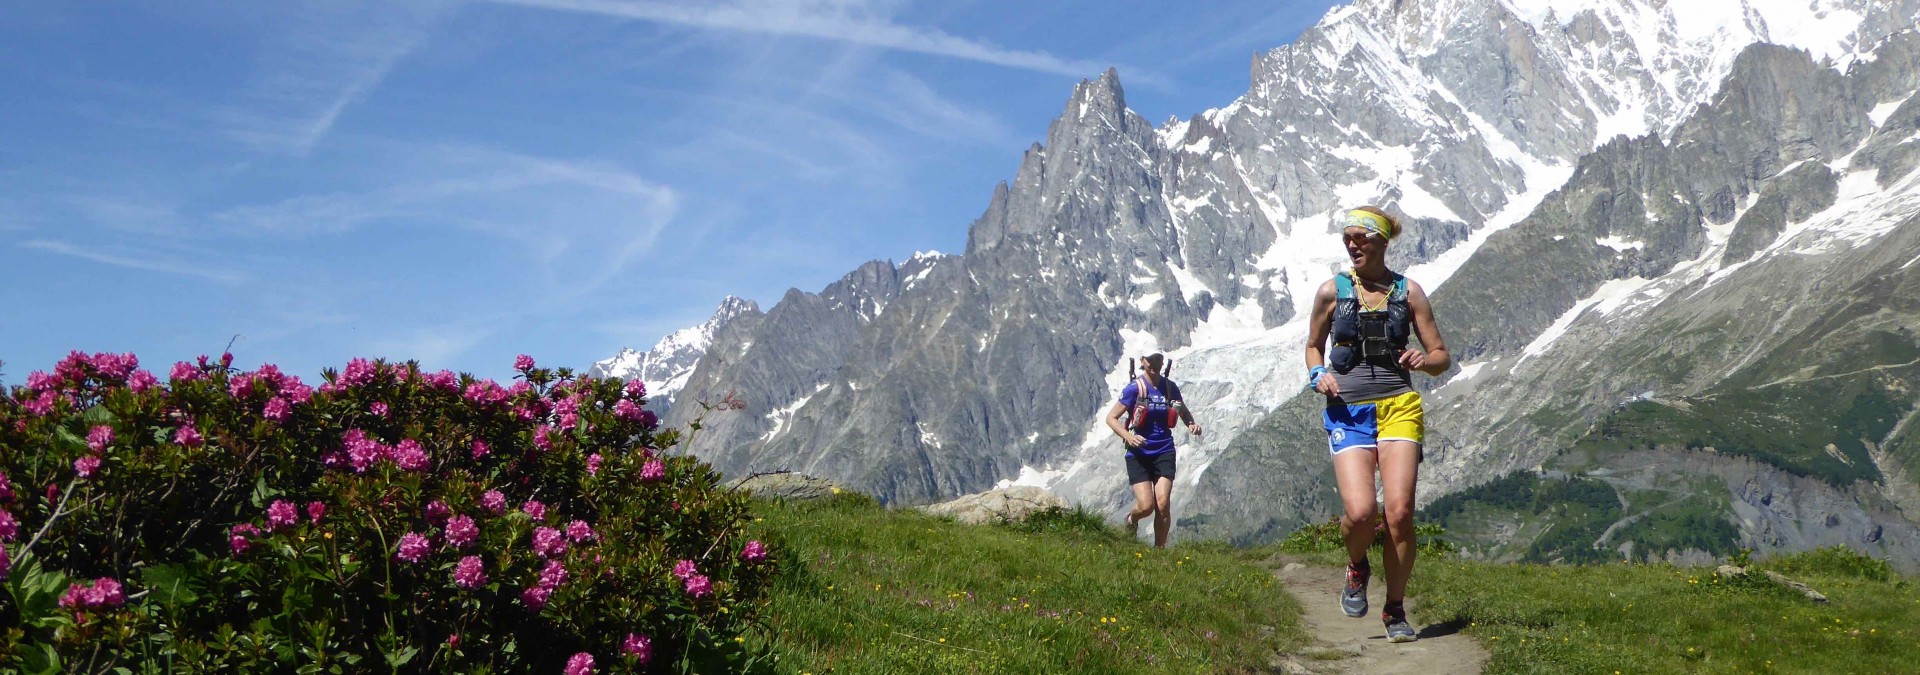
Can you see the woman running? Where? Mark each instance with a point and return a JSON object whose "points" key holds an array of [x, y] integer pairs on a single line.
{"points": [[1374, 419], [1144, 418]]}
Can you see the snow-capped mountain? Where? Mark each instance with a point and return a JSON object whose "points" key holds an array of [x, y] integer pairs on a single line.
{"points": [[1476, 121], [666, 366]]}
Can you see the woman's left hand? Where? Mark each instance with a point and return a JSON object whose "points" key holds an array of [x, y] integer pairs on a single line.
{"points": [[1193, 428], [1413, 359]]}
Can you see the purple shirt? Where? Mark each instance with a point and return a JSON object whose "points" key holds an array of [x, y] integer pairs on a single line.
{"points": [[1159, 436]]}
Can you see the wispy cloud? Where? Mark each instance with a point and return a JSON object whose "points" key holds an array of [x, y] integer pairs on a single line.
{"points": [[822, 21], [579, 213], [332, 58], [912, 104], [151, 264]]}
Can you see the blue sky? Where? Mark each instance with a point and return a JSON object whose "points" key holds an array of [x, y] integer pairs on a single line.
{"points": [[460, 182]]}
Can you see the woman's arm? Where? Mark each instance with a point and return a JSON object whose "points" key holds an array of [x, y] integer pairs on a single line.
{"points": [[1119, 429], [1435, 359], [1318, 326]]}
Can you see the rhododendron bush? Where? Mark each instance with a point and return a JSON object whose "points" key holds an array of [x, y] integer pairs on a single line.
{"points": [[381, 518]]}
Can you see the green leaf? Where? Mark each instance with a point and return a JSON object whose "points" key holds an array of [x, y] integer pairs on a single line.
{"points": [[170, 585], [400, 658], [262, 493], [40, 658]]}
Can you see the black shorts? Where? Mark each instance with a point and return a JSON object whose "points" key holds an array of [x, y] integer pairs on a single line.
{"points": [[1149, 468]]}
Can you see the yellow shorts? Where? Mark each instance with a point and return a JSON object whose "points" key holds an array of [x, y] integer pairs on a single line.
{"points": [[1364, 425]]}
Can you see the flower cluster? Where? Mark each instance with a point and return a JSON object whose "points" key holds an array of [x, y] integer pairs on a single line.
{"points": [[379, 503]]}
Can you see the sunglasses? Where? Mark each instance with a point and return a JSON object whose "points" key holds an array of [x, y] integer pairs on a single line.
{"points": [[1358, 237]]}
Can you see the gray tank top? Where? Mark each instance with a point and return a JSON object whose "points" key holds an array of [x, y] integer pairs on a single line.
{"points": [[1372, 380]]}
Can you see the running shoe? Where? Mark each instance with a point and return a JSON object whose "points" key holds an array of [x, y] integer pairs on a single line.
{"points": [[1353, 600], [1398, 630]]}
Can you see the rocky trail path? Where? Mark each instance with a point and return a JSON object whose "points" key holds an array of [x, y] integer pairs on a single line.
{"points": [[1349, 645]]}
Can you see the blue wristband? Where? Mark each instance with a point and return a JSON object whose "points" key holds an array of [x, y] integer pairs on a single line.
{"points": [[1313, 375]]}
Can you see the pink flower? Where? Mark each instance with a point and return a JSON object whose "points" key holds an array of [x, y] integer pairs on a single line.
{"points": [[444, 380], [409, 455], [141, 381], [481, 449], [5, 563], [361, 450], [107, 593], [580, 664], [579, 531], [685, 569], [9, 528], [295, 392], [413, 547], [548, 542], [470, 573], [626, 410], [554, 574], [85, 466], [188, 436], [453, 641], [636, 389], [76, 596], [754, 551], [99, 438], [654, 470], [485, 392], [461, 531], [536, 598], [315, 510], [184, 372], [359, 372], [699, 585], [647, 419], [593, 464], [438, 512], [241, 386], [277, 409], [38, 381], [379, 408], [540, 437], [523, 363], [281, 513], [494, 502], [640, 647], [103, 592], [535, 509]]}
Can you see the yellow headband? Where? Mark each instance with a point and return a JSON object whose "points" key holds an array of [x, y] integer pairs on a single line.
{"points": [[1372, 221]]}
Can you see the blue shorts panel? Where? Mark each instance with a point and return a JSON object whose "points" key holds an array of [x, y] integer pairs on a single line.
{"points": [[1351, 425]]}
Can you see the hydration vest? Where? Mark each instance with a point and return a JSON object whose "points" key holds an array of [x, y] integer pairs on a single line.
{"points": [[1138, 420], [1360, 333]]}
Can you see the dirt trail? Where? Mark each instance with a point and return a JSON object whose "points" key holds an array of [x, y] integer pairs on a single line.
{"points": [[1349, 645]]}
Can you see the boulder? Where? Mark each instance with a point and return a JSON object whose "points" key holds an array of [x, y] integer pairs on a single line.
{"points": [[786, 485], [1011, 504]]}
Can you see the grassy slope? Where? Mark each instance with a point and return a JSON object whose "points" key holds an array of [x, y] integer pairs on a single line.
{"points": [[880, 591], [1663, 619]]}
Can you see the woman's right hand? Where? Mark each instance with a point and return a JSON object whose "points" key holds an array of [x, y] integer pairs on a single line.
{"points": [[1327, 386], [1134, 440]]}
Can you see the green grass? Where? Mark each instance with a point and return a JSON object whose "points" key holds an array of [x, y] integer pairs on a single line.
{"points": [[1659, 618], [880, 591]]}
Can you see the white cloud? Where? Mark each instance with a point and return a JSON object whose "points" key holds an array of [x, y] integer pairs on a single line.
{"points": [[827, 21], [331, 57], [573, 214], [149, 262]]}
